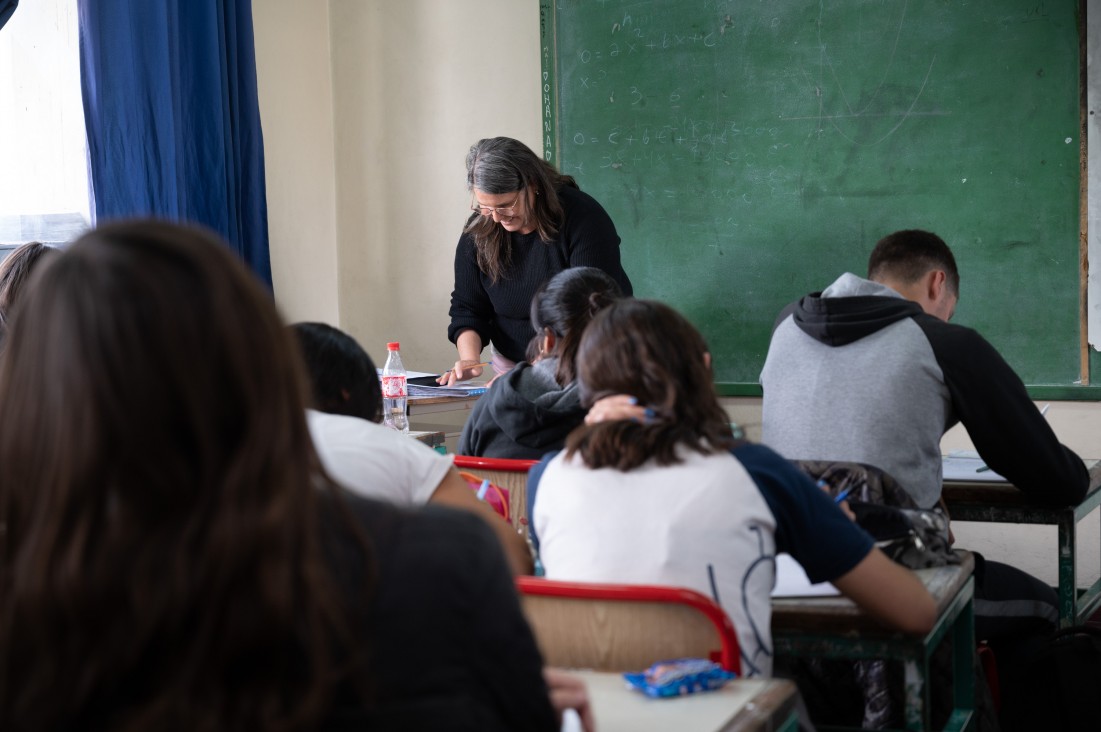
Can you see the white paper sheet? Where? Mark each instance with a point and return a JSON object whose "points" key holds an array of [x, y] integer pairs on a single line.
{"points": [[792, 581], [967, 465]]}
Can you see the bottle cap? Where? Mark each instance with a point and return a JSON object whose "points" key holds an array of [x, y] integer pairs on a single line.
{"points": [[393, 346]]}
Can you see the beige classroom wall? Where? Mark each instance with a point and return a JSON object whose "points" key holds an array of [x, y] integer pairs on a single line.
{"points": [[415, 83], [294, 82]]}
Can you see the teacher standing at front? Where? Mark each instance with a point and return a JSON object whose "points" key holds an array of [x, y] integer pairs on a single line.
{"points": [[530, 222]]}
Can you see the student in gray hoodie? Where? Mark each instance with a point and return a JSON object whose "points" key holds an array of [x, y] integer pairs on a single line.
{"points": [[530, 410]]}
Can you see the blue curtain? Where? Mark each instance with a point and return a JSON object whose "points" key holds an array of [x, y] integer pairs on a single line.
{"points": [[172, 116], [7, 7]]}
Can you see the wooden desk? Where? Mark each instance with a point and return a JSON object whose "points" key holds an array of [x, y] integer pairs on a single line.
{"points": [[432, 438], [834, 627], [1003, 503], [744, 705], [421, 405], [446, 414]]}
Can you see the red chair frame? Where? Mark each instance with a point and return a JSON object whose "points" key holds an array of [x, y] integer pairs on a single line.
{"points": [[508, 465], [728, 656]]}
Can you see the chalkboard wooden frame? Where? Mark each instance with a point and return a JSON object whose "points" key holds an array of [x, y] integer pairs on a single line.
{"points": [[683, 228]]}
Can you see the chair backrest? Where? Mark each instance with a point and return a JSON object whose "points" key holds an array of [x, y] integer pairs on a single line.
{"points": [[615, 627], [510, 474]]}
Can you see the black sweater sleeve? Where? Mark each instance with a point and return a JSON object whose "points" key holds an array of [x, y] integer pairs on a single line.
{"points": [[471, 308], [1008, 431]]}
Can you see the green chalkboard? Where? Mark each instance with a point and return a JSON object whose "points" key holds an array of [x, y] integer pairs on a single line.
{"points": [[750, 151]]}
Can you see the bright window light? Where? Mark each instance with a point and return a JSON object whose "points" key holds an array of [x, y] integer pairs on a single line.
{"points": [[44, 184]]}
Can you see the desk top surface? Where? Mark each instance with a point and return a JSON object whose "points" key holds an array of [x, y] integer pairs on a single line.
{"points": [[1004, 493], [451, 399], [743, 705], [837, 612]]}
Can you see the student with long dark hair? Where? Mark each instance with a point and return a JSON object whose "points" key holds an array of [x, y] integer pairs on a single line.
{"points": [[530, 410], [673, 498], [174, 557], [529, 222]]}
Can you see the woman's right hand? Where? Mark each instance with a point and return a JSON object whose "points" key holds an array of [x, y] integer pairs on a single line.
{"points": [[463, 370]]}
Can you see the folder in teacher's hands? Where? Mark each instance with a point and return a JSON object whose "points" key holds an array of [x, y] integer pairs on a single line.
{"points": [[967, 465], [425, 385]]}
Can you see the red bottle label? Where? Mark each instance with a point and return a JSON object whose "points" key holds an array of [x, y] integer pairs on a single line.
{"points": [[393, 387]]}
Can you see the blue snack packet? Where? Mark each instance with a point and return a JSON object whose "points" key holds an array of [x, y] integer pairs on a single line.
{"points": [[679, 677]]}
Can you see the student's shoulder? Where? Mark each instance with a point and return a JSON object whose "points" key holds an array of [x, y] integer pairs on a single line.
{"points": [[950, 339], [760, 460], [430, 537], [341, 426]]}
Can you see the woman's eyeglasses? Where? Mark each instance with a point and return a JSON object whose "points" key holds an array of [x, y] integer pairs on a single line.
{"points": [[504, 213]]}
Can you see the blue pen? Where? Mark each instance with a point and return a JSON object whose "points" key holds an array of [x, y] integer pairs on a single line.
{"points": [[843, 495], [483, 490]]}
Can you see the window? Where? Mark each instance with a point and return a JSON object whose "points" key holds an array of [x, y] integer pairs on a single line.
{"points": [[44, 186]]}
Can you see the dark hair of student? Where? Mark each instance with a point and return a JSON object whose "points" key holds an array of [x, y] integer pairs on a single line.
{"points": [[161, 561], [648, 350], [342, 376], [503, 165], [909, 255], [16, 269], [564, 305]]}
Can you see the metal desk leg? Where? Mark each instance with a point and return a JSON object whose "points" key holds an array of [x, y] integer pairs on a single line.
{"points": [[1068, 572], [963, 669]]}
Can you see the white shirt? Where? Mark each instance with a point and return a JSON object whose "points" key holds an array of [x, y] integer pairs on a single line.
{"points": [[666, 526], [375, 461]]}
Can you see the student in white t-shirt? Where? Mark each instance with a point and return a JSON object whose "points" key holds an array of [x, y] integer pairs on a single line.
{"points": [[372, 460], [672, 498]]}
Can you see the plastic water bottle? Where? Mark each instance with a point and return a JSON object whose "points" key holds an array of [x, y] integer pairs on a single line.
{"points": [[394, 390]]}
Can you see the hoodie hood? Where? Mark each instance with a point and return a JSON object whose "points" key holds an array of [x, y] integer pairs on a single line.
{"points": [[532, 409], [850, 309]]}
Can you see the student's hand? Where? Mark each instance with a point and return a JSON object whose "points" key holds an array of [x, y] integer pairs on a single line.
{"points": [[463, 370], [617, 407], [568, 692], [844, 505]]}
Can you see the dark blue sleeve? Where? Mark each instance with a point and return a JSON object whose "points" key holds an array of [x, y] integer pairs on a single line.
{"points": [[535, 474], [809, 526]]}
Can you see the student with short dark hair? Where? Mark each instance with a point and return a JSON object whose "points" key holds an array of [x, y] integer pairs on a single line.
{"points": [[174, 557], [343, 378], [673, 498], [870, 370], [530, 410], [372, 460]]}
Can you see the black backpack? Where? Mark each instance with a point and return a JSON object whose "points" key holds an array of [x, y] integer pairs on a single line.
{"points": [[1060, 687]]}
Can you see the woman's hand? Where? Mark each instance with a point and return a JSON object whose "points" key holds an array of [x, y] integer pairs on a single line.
{"points": [[617, 407], [463, 370], [568, 692]]}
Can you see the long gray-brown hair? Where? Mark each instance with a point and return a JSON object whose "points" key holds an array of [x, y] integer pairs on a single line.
{"points": [[498, 165]]}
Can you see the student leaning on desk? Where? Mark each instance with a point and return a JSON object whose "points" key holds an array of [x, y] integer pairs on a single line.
{"points": [[870, 370], [529, 222], [372, 460], [669, 496], [530, 410]]}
